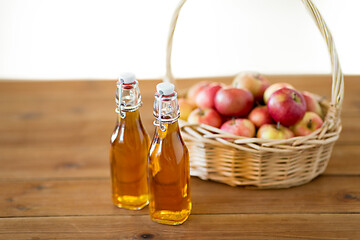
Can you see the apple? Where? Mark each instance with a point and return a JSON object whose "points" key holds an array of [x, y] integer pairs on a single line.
{"points": [[273, 131], [231, 101], [260, 116], [205, 97], [254, 82], [195, 89], [312, 105], [274, 87], [239, 127], [185, 108], [286, 106], [205, 115], [308, 124], [226, 118]]}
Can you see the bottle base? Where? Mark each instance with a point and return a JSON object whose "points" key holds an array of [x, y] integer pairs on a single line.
{"points": [[131, 202], [170, 217]]}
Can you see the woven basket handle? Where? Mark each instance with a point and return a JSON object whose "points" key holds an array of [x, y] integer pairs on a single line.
{"points": [[337, 93]]}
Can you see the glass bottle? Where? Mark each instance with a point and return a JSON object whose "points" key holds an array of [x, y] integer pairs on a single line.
{"points": [[169, 169], [129, 146]]}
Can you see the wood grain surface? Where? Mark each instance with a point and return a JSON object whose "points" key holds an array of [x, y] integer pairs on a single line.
{"points": [[54, 172]]}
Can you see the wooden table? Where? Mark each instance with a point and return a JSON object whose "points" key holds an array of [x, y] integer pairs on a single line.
{"points": [[54, 173]]}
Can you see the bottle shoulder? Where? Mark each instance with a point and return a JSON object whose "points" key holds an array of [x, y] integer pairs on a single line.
{"points": [[130, 134], [169, 145]]}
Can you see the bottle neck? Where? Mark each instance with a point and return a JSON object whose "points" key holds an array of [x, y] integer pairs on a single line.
{"points": [[128, 98], [170, 128], [166, 110], [131, 117]]}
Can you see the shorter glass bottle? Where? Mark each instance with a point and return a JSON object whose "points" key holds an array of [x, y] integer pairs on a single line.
{"points": [[169, 169], [129, 148]]}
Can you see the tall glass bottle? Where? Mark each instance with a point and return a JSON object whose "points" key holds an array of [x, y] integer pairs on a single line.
{"points": [[169, 169], [129, 148]]}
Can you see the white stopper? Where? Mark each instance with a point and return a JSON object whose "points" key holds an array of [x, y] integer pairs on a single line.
{"points": [[166, 88], [128, 77]]}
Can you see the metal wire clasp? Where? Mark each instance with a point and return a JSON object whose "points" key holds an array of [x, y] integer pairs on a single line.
{"points": [[120, 85], [161, 125]]}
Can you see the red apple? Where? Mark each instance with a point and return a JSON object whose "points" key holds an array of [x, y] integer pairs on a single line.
{"points": [[185, 108], [272, 131], [195, 89], [234, 101], [260, 116], [239, 127], [254, 82], [274, 87], [205, 97], [205, 115], [308, 124], [226, 118], [312, 105], [286, 106]]}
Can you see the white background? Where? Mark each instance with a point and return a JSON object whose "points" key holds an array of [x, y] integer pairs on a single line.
{"points": [[98, 39]]}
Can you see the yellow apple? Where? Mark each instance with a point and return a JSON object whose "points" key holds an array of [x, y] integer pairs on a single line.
{"points": [[186, 108]]}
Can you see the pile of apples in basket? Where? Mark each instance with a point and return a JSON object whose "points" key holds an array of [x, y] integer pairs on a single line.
{"points": [[251, 107]]}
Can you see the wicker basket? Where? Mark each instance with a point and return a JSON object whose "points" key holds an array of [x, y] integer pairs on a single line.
{"points": [[259, 162]]}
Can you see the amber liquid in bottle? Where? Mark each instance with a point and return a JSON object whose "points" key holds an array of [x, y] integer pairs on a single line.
{"points": [[128, 159], [169, 176]]}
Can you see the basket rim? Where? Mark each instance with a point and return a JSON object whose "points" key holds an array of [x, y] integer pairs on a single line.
{"points": [[328, 132]]}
